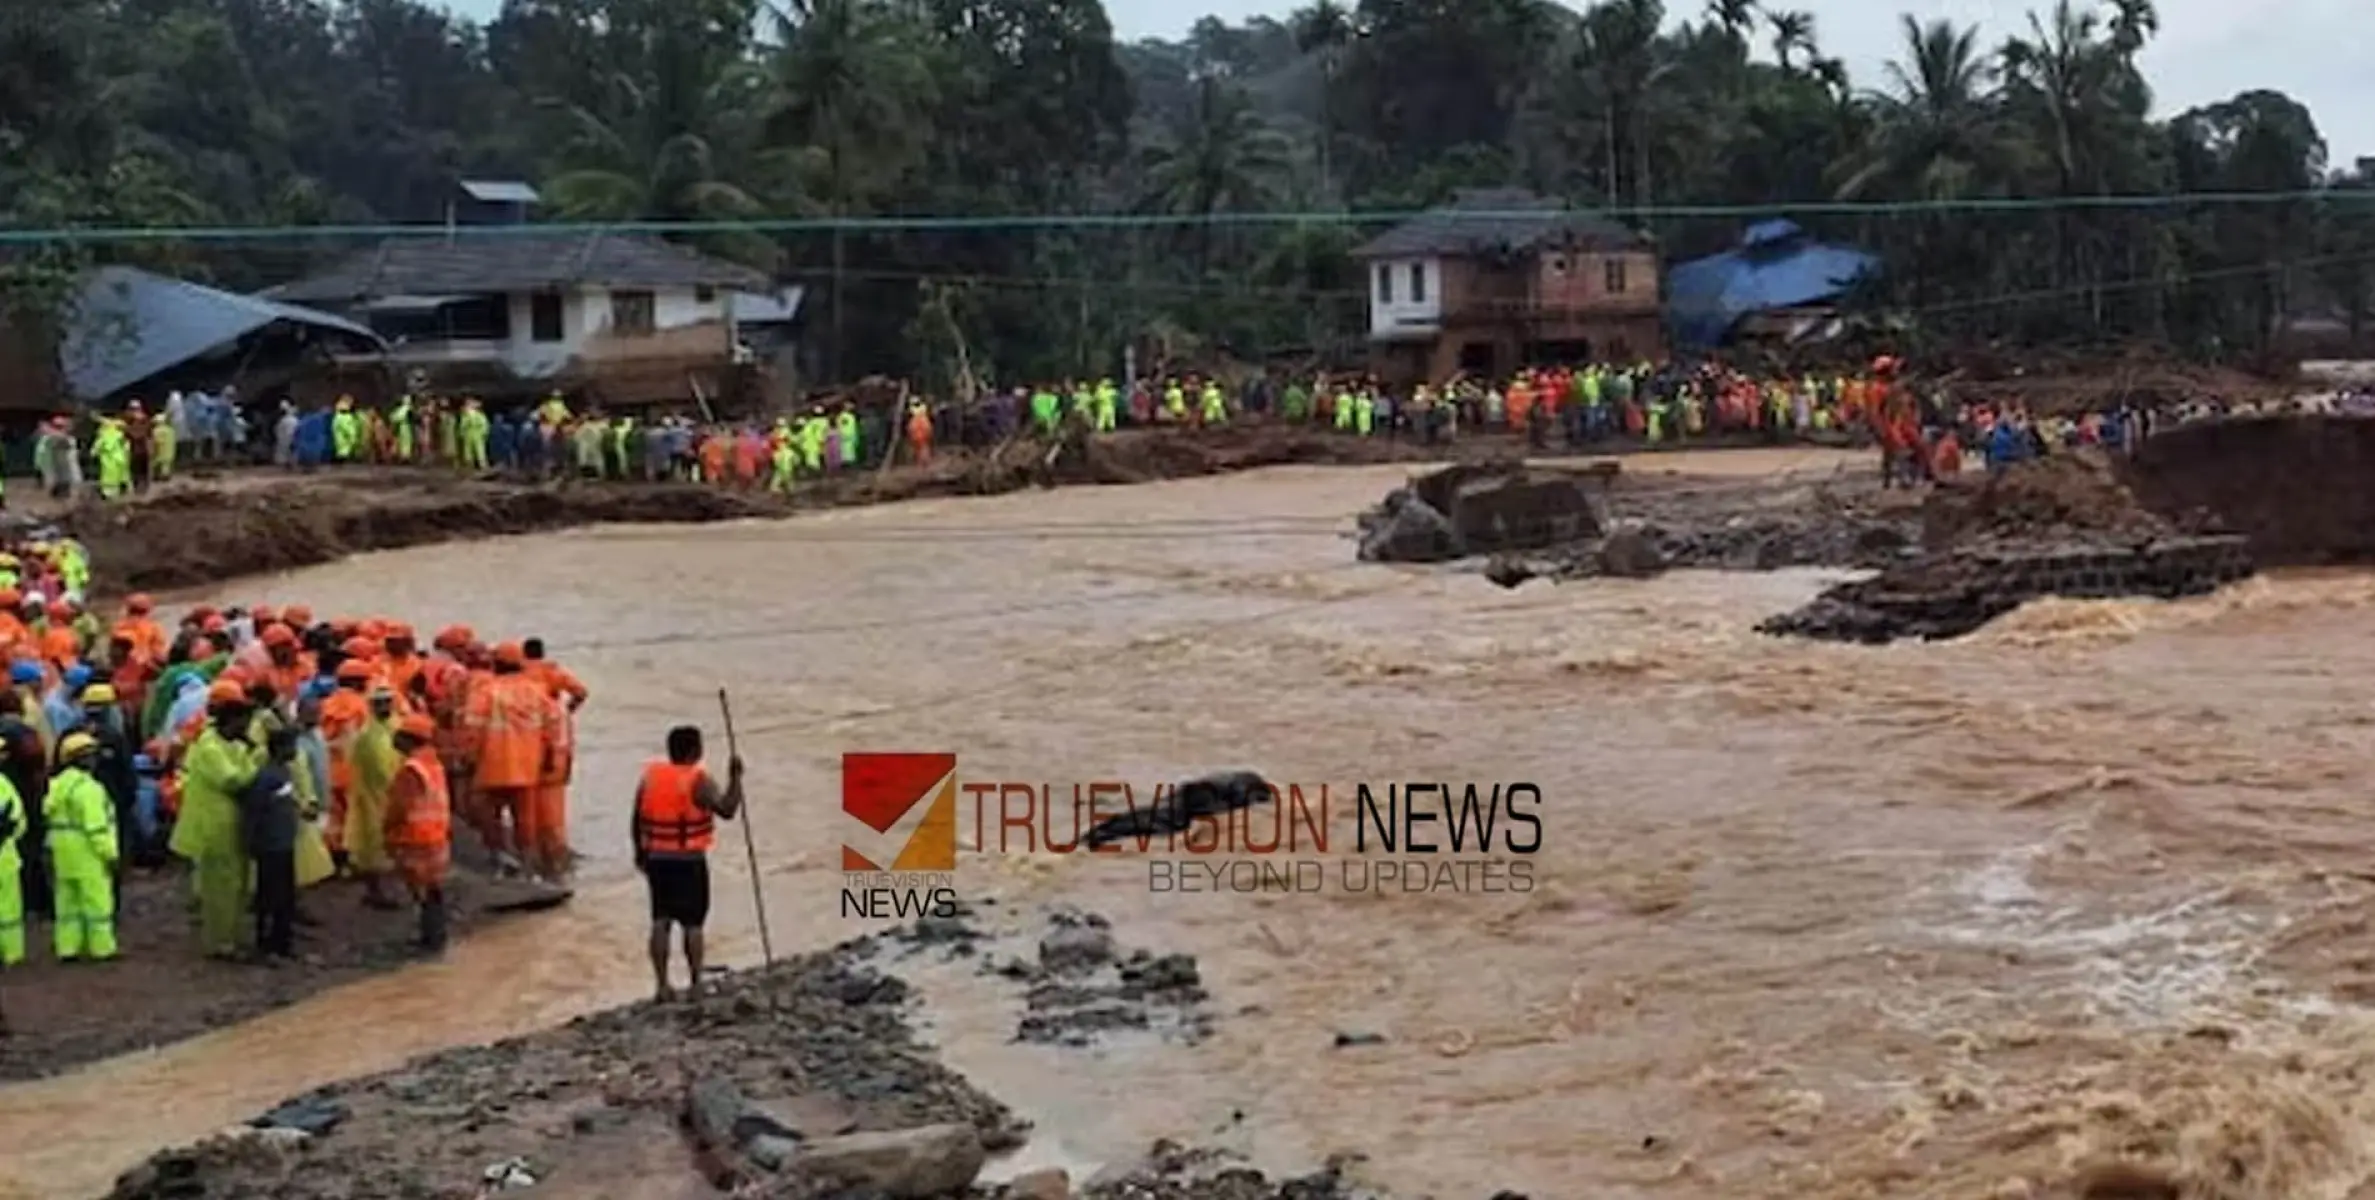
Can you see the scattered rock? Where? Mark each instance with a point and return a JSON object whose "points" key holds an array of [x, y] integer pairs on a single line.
{"points": [[311, 1115], [1077, 945], [768, 1061], [1083, 987], [1051, 1183], [1630, 553], [909, 1164]]}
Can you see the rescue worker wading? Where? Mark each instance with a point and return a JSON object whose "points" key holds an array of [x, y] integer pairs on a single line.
{"points": [[676, 806]]}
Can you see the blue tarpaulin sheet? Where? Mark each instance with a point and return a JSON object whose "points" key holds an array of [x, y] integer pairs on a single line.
{"points": [[128, 325], [1776, 266]]}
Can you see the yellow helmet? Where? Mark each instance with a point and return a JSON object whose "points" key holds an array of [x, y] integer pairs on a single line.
{"points": [[76, 745], [97, 693]]}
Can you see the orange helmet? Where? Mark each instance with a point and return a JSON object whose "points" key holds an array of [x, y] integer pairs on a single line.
{"points": [[509, 654], [297, 615], [359, 647], [354, 670], [400, 630], [276, 636], [418, 725], [264, 614], [226, 691], [214, 623], [453, 637]]}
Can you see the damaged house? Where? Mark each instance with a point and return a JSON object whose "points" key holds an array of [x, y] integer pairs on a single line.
{"points": [[499, 310]]}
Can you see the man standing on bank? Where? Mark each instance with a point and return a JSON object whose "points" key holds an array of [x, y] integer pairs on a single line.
{"points": [[676, 807]]}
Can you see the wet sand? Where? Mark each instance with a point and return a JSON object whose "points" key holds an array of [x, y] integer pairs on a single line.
{"points": [[1945, 920]]}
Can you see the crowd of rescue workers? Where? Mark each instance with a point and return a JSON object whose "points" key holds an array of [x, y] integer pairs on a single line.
{"points": [[268, 749], [1922, 431]]}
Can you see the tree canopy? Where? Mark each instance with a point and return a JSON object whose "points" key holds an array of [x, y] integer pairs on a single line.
{"points": [[171, 113]]}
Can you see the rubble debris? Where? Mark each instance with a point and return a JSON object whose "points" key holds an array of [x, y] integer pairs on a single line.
{"points": [[802, 1052], [1479, 508], [1174, 1172], [1083, 987], [1952, 594]]}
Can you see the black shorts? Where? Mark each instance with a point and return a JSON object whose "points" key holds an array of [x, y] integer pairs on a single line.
{"points": [[679, 890]]}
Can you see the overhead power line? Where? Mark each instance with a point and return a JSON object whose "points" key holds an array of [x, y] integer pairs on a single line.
{"points": [[1048, 221]]}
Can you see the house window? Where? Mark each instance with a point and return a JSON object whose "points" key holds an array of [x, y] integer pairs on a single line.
{"points": [[544, 317], [704, 294], [1385, 284], [1612, 276], [631, 313], [1418, 283], [1558, 264]]}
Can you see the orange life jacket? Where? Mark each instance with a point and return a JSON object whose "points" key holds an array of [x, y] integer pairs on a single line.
{"points": [[669, 820], [420, 812]]}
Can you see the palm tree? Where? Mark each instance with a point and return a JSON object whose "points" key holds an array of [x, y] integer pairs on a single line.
{"points": [[1735, 17], [852, 84], [1792, 31], [1937, 128], [1326, 29], [1620, 54], [1222, 156]]}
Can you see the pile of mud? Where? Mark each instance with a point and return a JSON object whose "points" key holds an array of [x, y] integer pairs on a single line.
{"points": [[2064, 498]]}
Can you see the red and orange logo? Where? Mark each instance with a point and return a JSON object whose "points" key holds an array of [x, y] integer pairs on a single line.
{"points": [[905, 812]]}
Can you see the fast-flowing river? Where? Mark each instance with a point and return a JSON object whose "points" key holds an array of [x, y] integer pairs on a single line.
{"points": [[1807, 918]]}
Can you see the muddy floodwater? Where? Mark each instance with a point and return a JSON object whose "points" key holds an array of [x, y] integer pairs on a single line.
{"points": [[1807, 920]]}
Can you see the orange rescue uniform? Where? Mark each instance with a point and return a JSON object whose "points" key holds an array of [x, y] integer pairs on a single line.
{"points": [[511, 726], [420, 821]]}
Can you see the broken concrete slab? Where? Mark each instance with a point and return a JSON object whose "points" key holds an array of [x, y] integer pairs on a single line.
{"points": [[906, 1164]]}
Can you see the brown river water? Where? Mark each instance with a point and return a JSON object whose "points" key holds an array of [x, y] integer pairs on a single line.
{"points": [[1810, 920]]}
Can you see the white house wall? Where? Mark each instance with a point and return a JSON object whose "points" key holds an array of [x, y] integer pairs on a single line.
{"points": [[585, 315], [1398, 311]]}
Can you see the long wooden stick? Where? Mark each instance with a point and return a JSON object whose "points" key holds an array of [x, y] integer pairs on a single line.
{"points": [[750, 844]]}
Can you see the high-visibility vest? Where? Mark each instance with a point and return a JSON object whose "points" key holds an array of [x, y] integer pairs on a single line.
{"points": [[426, 820], [670, 820]]}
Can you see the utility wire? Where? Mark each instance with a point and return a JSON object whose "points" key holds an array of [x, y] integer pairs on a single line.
{"points": [[73, 235]]}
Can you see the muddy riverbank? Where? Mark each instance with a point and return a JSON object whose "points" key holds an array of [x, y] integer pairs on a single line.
{"points": [[206, 529], [161, 989]]}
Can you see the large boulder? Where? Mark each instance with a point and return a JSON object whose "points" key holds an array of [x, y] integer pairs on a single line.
{"points": [[1407, 529], [905, 1164], [1479, 508]]}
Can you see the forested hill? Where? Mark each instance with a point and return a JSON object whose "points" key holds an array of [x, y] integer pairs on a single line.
{"points": [[296, 112]]}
